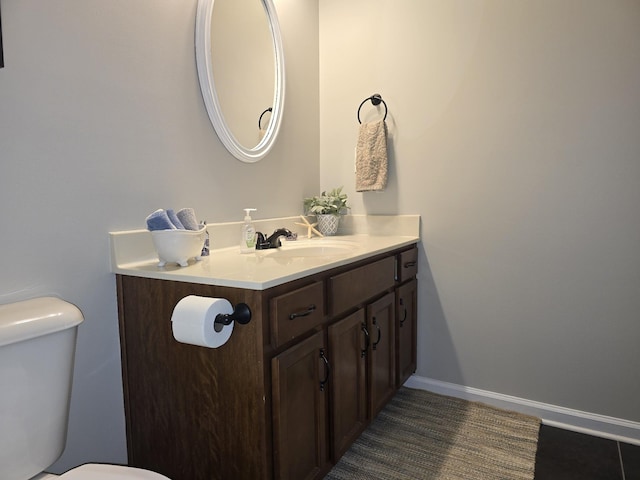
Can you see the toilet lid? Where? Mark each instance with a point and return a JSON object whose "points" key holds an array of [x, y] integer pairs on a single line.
{"points": [[98, 471]]}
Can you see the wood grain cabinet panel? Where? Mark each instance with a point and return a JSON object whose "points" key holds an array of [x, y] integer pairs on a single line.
{"points": [[297, 312], [406, 330], [407, 264], [382, 357], [192, 412], [300, 392], [348, 354], [356, 286]]}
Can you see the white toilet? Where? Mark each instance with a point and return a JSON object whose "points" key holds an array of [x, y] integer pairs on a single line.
{"points": [[37, 346]]}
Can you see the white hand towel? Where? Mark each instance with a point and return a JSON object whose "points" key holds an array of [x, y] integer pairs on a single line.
{"points": [[371, 157]]}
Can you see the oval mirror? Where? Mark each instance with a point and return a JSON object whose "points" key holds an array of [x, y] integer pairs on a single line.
{"points": [[240, 63]]}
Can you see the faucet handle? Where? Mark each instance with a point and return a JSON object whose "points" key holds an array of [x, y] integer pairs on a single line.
{"points": [[261, 241]]}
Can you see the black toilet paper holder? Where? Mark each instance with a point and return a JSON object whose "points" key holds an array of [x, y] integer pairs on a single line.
{"points": [[241, 314]]}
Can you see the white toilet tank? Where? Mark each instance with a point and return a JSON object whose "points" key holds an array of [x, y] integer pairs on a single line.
{"points": [[37, 346]]}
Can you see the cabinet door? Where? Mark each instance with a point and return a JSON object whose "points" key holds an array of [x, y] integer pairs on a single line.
{"points": [[381, 320], [299, 410], [406, 330], [348, 354]]}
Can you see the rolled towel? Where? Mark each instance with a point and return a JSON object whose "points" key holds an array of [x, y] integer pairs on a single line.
{"points": [[159, 220], [188, 218], [174, 219]]}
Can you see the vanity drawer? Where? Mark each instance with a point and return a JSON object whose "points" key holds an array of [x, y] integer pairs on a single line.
{"points": [[296, 312], [407, 264], [360, 284]]}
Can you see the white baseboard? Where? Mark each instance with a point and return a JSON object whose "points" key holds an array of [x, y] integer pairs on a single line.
{"points": [[569, 419]]}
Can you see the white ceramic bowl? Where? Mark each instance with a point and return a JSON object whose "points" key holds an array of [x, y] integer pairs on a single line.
{"points": [[178, 246]]}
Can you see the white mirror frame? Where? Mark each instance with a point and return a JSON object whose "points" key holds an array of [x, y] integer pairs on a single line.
{"points": [[210, 96]]}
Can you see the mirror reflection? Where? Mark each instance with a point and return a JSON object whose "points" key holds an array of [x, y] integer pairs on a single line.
{"points": [[243, 66]]}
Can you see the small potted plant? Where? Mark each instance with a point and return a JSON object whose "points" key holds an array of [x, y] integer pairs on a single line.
{"points": [[327, 208]]}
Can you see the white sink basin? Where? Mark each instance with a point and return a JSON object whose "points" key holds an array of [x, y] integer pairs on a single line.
{"points": [[317, 248]]}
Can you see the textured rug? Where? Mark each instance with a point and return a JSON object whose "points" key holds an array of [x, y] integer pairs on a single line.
{"points": [[421, 435]]}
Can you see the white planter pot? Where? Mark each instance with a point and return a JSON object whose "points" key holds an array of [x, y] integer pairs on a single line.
{"points": [[328, 224]]}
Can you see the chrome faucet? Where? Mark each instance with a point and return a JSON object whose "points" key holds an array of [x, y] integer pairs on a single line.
{"points": [[272, 241]]}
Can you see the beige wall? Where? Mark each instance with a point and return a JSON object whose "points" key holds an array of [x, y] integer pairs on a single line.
{"points": [[102, 122], [514, 134]]}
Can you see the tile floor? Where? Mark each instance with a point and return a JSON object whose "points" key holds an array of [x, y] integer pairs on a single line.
{"points": [[565, 455]]}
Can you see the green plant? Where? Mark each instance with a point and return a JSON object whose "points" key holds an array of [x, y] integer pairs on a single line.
{"points": [[332, 203]]}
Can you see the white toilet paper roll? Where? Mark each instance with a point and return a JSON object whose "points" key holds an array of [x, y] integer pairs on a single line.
{"points": [[193, 320]]}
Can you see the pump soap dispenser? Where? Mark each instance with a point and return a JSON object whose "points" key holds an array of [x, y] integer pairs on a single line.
{"points": [[248, 237]]}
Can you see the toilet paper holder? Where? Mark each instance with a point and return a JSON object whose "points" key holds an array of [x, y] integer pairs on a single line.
{"points": [[207, 321], [241, 314]]}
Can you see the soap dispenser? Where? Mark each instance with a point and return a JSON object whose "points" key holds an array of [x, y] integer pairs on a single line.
{"points": [[248, 237]]}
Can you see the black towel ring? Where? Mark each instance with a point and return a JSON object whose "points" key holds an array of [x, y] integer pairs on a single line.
{"points": [[262, 115], [376, 99]]}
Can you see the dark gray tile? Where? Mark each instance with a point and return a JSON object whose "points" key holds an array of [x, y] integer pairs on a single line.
{"points": [[565, 455], [630, 460]]}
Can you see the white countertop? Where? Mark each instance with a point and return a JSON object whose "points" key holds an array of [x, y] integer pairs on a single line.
{"points": [[132, 253]]}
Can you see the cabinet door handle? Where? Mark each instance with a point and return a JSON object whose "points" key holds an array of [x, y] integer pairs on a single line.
{"points": [[405, 312], [375, 324], [308, 311], [367, 342], [410, 264], [327, 370]]}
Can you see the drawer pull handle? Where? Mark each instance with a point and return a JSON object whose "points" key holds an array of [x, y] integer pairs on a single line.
{"points": [[308, 311], [327, 370], [363, 353], [405, 312], [375, 324], [410, 264]]}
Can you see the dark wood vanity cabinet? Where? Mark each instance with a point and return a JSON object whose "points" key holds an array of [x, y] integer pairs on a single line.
{"points": [[288, 394]]}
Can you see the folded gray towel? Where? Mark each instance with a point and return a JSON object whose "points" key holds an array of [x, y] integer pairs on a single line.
{"points": [[187, 217], [371, 157]]}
